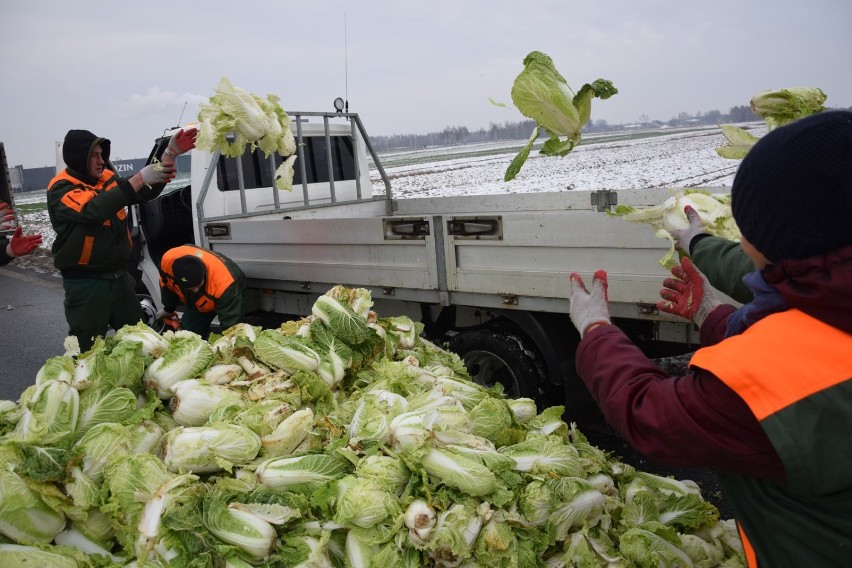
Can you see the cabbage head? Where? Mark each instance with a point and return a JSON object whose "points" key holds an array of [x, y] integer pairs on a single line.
{"points": [[542, 94]]}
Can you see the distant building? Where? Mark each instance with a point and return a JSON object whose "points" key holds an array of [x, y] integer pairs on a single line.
{"points": [[37, 179]]}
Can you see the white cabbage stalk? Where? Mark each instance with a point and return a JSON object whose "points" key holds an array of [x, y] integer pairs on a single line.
{"points": [[186, 358], [195, 400], [284, 174], [359, 552], [291, 473], [459, 471], [289, 433], [253, 369], [76, 539], [152, 514], [222, 374], [60, 368], [523, 409], [51, 413], [23, 555], [207, 449], [24, 516], [146, 438], [420, 519], [153, 344], [242, 528]]}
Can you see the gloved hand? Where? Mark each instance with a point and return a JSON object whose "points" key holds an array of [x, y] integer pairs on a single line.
{"points": [[180, 142], [7, 216], [688, 295], [20, 245], [152, 174], [587, 307], [170, 319], [684, 237]]}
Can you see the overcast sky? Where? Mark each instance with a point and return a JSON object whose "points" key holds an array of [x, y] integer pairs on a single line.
{"points": [[125, 69]]}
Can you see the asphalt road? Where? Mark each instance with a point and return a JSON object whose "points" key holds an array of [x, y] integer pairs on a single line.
{"points": [[32, 326]]}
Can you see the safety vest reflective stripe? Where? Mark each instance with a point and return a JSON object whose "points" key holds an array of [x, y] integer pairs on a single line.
{"points": [[77, 198], [778, 351]]}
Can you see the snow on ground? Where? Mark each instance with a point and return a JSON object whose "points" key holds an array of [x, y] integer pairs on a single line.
{"points": [[677, 158], [660, 158]]}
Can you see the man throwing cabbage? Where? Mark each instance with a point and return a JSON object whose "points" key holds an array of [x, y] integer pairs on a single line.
{"points": [[767, 401], [87, 204], [208, 284]]}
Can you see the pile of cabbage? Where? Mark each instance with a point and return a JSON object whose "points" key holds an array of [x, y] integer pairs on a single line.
{"points": [[234, 119], [341, 439]]}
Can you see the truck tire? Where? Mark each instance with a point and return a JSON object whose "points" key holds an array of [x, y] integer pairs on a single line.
{"points": [[149, 309], [498, 355]]}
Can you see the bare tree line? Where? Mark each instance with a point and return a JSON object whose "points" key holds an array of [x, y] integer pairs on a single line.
{"points": [[521, 130]]}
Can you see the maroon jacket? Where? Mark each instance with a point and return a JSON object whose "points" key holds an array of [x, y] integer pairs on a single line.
{"points": [[696, 420]]}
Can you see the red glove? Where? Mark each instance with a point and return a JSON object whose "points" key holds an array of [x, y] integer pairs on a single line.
{"points": [[688, 295], [180, 142], [20, 245], [7, 216]]}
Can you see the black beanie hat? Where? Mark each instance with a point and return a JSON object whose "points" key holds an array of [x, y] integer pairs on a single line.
{"points": [[189, 271], [78, 147], [792, 195]]}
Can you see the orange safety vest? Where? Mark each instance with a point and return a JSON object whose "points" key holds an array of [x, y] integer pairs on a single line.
{"points": [[80, 196], [779, 362], [84, 193], [217, 281]]}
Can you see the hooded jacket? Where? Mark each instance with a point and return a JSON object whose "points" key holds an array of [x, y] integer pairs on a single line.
{"points": [[89, 215]]}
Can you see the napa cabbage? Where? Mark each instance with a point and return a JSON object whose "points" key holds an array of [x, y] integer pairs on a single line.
{"points": [[542, 94], [713, 208]]}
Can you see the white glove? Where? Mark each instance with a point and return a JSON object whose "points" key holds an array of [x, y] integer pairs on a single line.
{"points": [[588, 307], [153, 174], [684, 236]]}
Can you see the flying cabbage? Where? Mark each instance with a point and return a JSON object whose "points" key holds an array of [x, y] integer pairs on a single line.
{"points": [[542, 94]]}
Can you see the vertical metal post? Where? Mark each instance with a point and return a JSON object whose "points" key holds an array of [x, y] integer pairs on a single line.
{"points": [[241, 183], [357, 162], [328, 158], [300, 148], [274, 190]]}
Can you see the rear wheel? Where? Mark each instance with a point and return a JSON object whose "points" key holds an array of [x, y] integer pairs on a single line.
{"points": [[495, 355], [149, 310]]}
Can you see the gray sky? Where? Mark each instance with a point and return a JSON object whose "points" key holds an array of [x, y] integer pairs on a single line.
{"points": [[125, 69]]}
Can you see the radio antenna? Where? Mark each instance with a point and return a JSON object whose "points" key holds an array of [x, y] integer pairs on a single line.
{"points": [[181, 112], [346, 66]]}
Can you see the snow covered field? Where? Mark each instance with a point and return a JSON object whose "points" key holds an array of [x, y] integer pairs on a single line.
{"points": [[682, 157]]}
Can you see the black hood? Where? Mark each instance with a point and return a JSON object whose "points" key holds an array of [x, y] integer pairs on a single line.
{"points": [[78, 147]]}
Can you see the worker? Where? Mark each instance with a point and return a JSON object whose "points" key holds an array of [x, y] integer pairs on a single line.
{"points": [[769, 408], [18, 244], [206, 283], [87, 204]]}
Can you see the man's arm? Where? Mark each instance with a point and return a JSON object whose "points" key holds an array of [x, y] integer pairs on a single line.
{"points": [[694, 420], [724, 263]]}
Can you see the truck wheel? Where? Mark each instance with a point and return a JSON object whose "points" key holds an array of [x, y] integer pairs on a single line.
{"points": [[149, 311], [497, 355]]}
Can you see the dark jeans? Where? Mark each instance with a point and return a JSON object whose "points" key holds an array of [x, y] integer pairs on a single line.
{"points": [[92, 305]]}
